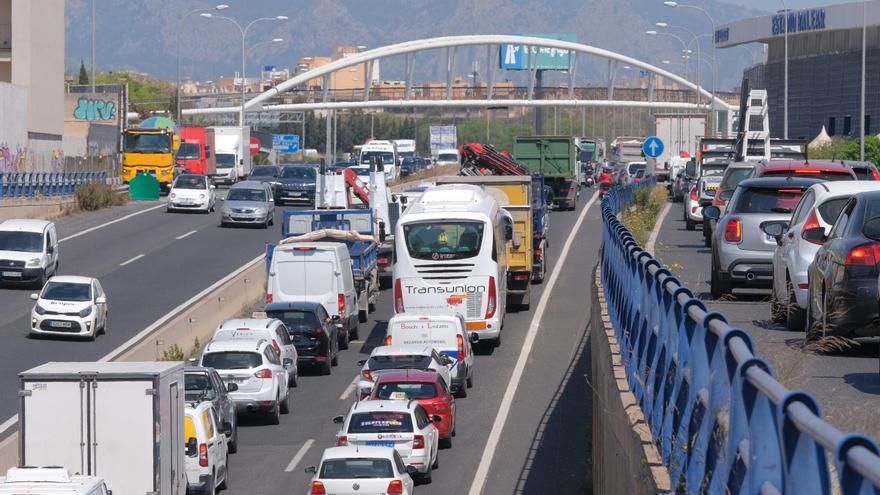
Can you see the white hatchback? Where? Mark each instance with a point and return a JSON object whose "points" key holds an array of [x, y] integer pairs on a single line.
{"points": [[400, 357], [70, 306], [363, 469], [262, 328], [191, 192]]}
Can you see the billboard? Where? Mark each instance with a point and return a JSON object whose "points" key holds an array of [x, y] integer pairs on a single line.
{"points": [[522, 57], [443, 137]]}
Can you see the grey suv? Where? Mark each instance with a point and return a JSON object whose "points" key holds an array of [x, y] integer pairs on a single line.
{"points": [[742, 253], [248, 203]]}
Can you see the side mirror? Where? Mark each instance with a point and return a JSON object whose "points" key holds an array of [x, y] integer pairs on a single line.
{"points": [[101, 300], [382, 234], [35, 296], [712, 212], [50, 249], [816, 234], [192, 446], [508, 232], [231, 387], [311, 470], [775, 230], [726, 194], [287, 362], [339, 419], [475, 337], [227, 428], [436, 418], [362, 362]]}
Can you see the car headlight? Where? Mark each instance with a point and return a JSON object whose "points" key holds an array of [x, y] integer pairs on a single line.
{"points": [[172, 196], [201, 196], [39, 310], [260, 211], [85, 312], [34, 262]]}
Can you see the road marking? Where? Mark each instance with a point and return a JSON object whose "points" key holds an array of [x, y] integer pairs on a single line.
{"points": [[655, 232], [349, 389], [299, 455], [132, 260], [120, 219], [516, 376], [184, 236]]}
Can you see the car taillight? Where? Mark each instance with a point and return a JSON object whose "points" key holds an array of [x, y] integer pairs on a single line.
{"points": [[275, 345], [460, 341], [733, 231], [811, 223], [340, 299], [268, 298], [865, 255], [318, 330], [382, 261], [418, 442], [395, 487], [490, 306], [341, 440], [318, 488], [203, 455], [398, 297], [367, 375], [387, 340], [694, 193], [264, 373]]}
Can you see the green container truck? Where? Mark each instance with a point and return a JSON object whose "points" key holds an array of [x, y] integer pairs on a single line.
{"points": [[554, 157]]}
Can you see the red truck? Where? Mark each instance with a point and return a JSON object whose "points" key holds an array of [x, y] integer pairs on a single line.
{"points": [[196, 153]]}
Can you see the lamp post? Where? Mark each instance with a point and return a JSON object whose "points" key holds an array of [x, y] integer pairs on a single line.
{"points": [[712, 22], [785, 90], [864, 46], [218, 8], [684, 47], [694, 37], [243, 30]]}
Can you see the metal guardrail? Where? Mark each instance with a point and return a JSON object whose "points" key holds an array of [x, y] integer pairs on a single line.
{"points": [[30, 184], [721, 420]]}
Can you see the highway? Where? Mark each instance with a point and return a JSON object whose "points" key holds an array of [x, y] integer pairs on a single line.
{"points": [[845, 383]]}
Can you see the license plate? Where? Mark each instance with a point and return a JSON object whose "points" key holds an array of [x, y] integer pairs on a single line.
{"points": [[61, 324], [381, 444], [294, 194], [11, 274]]}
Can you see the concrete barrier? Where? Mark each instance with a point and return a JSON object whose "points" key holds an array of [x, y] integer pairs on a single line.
{"points": [[43, 207], [624, 458]]}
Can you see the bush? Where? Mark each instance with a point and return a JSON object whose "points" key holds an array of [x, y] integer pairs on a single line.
{"points": [[641, 216], [95, 195]]}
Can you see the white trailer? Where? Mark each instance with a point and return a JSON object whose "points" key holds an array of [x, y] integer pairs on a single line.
{"points": [[236, 141], [681, 134], [120, 421]]}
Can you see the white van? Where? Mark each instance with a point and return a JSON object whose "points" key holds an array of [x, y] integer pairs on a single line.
{"points": [[28, 251], [450, 257], [50, 480], [387, 151], [447, 157], [446, 334], [262, 328], [317, 272], [207, 449]]}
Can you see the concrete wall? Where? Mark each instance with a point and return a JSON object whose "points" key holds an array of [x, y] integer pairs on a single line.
{"points": [[38, 61], [625, 460], [13, 132]]}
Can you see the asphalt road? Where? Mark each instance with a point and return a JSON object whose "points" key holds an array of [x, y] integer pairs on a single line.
{"points": [[846, 383], [545, 444]]}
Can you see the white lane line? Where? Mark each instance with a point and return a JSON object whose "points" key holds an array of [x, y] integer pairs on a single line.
{"points": [[516, 376], [299, 455], [349, 389], [655, 232], [120, 219], [184, 236], [132, 260]]}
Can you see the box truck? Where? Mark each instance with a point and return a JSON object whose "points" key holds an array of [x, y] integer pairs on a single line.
{"points": [[681, 134], [122, 421], [233, 153], [196, 154]]}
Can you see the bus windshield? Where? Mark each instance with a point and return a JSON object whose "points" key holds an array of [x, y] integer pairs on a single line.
{"points": [[445, 240], [386, 156]]}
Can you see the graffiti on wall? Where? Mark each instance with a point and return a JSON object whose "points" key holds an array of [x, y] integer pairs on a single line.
{"points": [[24, 159], [92, 109]]}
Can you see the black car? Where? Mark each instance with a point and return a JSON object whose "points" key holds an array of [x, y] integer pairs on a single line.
{"points": [[842, 295], [296, 184], [312, 330], [339, 167], [205, 385], [265, 173]]}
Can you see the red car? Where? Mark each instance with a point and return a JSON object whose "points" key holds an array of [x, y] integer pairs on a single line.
{"points": [[810, 169], [428, 389]]}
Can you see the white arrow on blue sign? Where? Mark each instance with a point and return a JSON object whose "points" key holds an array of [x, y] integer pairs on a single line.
{"points": [[653, 147], [285, 143]]}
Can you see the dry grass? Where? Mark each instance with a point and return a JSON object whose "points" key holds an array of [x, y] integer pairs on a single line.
{"points": [[642, 215]]}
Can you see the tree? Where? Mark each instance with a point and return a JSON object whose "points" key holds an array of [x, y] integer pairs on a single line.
{"points": [[83, 75]]}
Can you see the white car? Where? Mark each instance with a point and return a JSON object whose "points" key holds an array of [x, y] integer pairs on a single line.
{"points": [[255, 367], [70, 306], [192, 192], [799, 242], [29, 251], [263, 328], [400, 357], [403, 425], [207, 449], [370, 469]]}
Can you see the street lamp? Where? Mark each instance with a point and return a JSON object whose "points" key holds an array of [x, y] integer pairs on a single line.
{"points": [[862, 125], [712, 22], [243, 31], [694, 37], [684, 48], [785, 90], [218, 8]]}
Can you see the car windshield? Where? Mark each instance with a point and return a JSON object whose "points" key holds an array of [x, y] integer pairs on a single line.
{"points": [[386, 156], [734, 177], [399, 362], [712, 171], [198, 386], [447, 157], [380, 422], [66, 291], [188, 151], [307, 173], [147, 143], [297, 321], [264, 172], [225, 160], [232, 360], [23, 242], [335, 469], [441, 241], [242, 194], [191, 182], [411, 390], [830, 210], [764, 200], [813, 174]]}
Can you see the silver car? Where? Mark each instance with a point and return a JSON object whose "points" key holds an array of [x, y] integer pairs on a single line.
{"points": [[742, 253], [248, 203]]}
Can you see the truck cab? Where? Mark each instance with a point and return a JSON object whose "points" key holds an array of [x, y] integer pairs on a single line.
{"points": [[196, 154], [50, 481], [149, 151]]}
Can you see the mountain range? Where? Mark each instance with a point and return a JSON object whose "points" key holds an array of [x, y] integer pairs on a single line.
{"points": [[142, 35]]}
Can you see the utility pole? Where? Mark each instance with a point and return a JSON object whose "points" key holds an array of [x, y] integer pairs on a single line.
{"points": [[93, 46]]}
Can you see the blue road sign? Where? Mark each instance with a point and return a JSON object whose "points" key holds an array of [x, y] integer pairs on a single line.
{"points": [[285, 143], [653, 147]]}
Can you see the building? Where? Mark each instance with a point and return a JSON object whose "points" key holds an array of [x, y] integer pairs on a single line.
{"points": [[348, 79], [31, 84], [824, 71]]}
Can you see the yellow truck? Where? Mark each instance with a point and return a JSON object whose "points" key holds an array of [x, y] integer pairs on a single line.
{"points": [[525, 257], [150, 150]]}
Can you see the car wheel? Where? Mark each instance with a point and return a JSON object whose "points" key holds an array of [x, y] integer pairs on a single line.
{"points": [[343, 340], [224, 485], [425, 479], [461, 393], [794, 316], [470, 379], [233, 442], [777, 311], [223, 225], [292, 382], [689, 224], [355, 332], [272, 220], [497, 342], [436, 464], [362, 316], [718, 287], [707, 239], [327, 366], [284, 408], [103, 330], [446, 443], [275, 413], [212, 488]]}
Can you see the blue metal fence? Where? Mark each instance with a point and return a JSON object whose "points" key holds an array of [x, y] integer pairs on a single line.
{"points": [[722, 422], [30, 184]]}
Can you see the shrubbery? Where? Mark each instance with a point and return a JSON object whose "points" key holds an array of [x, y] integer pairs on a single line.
{"points": [[641, 216], [95, 195]]}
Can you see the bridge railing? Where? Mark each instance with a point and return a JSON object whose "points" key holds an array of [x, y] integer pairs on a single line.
{"points": [[31, 184], [722, 422]]}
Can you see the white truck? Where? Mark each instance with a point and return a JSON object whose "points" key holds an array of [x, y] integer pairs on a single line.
{"points": [[681, 134], [384, 150], [233, 144], [405, 148], [50, 480], [122, 421]]}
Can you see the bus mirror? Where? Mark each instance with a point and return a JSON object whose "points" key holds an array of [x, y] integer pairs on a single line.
{"points": [[382, 233], [508, 232]]}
